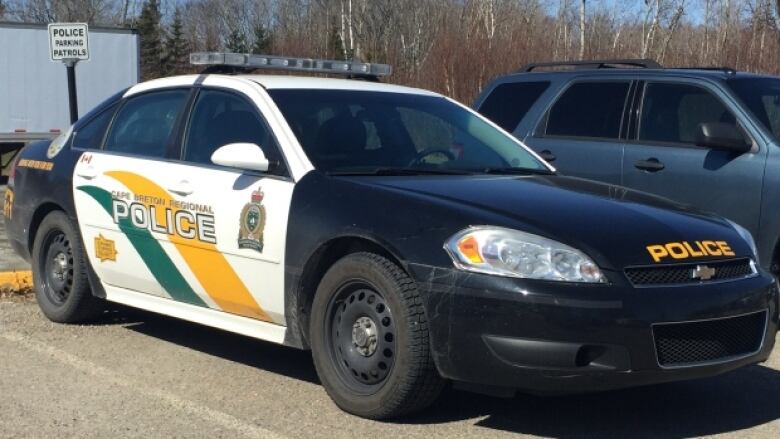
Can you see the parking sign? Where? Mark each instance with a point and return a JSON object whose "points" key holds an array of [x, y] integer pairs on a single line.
{"points": [[69, 41]]}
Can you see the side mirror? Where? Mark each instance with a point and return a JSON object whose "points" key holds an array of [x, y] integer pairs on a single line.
{"points": [[241, 155], [723, 136]]}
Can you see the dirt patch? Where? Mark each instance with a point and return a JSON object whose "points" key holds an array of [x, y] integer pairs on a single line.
{"points": [[9, 294]]}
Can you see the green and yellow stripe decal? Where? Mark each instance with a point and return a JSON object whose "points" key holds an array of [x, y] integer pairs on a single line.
{"points": [[207, 263], [151, 252]]}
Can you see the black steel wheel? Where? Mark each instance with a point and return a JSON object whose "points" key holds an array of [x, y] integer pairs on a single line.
{"points": [[370, 341], [60, 272], [57, 267], [362, 336]]}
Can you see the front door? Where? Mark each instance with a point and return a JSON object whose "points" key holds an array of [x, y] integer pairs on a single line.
{"points": [[664, 159]]}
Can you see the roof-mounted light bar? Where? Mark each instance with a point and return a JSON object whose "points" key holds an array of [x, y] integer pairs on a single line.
{"points": [[251, 61]]}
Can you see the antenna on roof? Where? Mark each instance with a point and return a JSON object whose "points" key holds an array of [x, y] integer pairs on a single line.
{"points": [[225, 62]]}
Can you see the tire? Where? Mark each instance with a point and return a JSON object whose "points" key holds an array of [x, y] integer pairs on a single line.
{"points": [[59, 271], [365, 297]]}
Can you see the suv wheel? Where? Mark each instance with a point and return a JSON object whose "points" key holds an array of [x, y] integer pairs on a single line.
{"points": [[369, 339], [59, 272]]}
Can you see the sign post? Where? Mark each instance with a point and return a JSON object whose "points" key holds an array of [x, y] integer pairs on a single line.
{"points": [[69, 43]]}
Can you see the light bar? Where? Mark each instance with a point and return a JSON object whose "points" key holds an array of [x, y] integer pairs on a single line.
{"points": [[286, 63]]}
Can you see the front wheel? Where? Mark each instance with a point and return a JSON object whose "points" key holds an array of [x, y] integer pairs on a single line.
{"points": [[60, 273], [370, 340]]}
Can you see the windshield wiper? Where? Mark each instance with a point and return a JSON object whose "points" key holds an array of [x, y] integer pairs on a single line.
{"points": [[517, 171], [402, 171]]}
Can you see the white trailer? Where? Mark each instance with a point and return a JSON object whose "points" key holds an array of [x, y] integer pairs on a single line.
{"points": [[34, 89]]}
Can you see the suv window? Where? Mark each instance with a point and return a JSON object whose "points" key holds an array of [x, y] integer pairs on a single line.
{"points": [[90, 136], [589, 109], [672, 113], [220, 118], [145, 123], [508, 103]]}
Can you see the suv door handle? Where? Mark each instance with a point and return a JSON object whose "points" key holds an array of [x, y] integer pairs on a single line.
{"points": [[88, 173], [649, 165], [547, 155], [182, 188]]}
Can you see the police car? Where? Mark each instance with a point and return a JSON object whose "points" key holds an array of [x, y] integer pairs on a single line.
{"points": [[403, 238]]}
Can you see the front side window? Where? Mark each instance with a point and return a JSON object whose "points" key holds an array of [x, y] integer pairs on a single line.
{"points": [[220, 118], [589, 110], [90, 136], [762, 97], [673, 113], [144, 125], [363, 131]]}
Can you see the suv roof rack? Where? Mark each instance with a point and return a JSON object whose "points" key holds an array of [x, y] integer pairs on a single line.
{"points": [[724, 69], [595, 64], [234, 63]]}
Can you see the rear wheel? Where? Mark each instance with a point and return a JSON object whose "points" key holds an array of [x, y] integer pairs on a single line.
{"points": [[370, 341], [59, 272]]}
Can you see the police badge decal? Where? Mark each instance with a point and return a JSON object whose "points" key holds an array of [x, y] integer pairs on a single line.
{"points": [[250, 233]]}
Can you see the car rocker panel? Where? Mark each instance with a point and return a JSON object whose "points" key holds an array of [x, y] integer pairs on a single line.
{"points": [[526, 279]]}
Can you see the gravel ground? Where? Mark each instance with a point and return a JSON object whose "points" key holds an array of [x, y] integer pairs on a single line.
{"points": [[136, 374]]}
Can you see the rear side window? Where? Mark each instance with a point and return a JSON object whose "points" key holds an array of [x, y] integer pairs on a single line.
{"points": [[589, 110], [144, 125], [508, 103], [672, 113], [90, 136]]}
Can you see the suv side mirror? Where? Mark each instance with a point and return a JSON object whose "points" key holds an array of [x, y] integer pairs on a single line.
{"points": [[723, 136], [241, 155]]}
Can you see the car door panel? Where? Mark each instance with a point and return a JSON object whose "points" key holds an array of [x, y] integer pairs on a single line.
{"points": [[581, 133], [723, 182]]}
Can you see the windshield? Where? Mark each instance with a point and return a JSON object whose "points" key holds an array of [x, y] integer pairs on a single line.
{"points": [[369, 132], [762, 96]]}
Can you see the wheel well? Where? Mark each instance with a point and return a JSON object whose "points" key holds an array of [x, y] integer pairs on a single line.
{"points": [[37, 218], [319, 263]]}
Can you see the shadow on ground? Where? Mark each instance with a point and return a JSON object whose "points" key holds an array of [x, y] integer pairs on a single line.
{"points": [[739, 400], [283, 360]]}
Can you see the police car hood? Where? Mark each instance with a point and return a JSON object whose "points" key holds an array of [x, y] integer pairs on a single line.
{"points": [[612, 224]]}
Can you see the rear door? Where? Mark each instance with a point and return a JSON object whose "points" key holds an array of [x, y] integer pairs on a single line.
{"points": [[662, 158], [582, 132], [124, 223]]}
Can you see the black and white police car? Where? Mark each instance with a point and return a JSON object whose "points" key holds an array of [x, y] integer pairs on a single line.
{"points": [[400, 236]]}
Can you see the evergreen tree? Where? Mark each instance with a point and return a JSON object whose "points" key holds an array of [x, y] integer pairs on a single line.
{"points": [[2, 9], [262, 40], [176, 47], [151, 40], [336, 45], [236, 42]]}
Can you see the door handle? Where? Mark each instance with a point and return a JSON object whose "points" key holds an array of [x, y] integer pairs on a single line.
{"points": [[649, 165], [182, 188], [547, 155], [88, 173]]}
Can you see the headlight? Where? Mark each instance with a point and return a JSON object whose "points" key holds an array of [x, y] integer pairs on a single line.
{"points": [[747, 236], [507, 252]]}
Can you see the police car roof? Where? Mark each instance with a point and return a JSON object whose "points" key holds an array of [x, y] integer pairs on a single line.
{"points": [[303, 82], [272, 82]]}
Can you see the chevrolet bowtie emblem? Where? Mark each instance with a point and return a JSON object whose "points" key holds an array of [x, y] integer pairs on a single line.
{"points": [[703, 272]]}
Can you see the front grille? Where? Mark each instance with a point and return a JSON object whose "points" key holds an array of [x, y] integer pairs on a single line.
{"points": [[681, 344], [683, 273]]}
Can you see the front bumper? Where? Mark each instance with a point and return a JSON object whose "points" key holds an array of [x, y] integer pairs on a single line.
{"points": [[549, 338]]}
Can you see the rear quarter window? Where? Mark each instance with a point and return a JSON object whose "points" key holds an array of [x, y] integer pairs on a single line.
{"points": [[507, 104]]}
